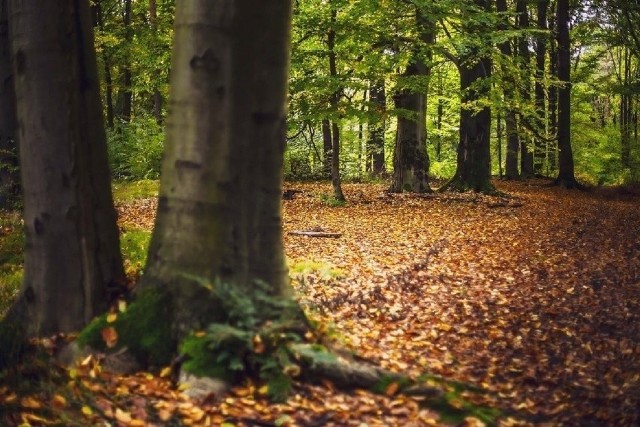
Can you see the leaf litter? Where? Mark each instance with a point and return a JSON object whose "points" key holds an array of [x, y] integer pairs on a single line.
{"points": [[533, 298]]}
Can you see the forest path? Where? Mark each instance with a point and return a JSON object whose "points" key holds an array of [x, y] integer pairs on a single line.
{"points": [[535, 298]]}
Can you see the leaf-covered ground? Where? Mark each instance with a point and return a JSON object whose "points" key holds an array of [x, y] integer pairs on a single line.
{"points": [[534, 299]]}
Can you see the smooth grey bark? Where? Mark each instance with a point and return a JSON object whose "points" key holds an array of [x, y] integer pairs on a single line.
{"points": [[72, 254], [219, 213], [327, 148], [566, 177], [508, 88], [9, 174]]}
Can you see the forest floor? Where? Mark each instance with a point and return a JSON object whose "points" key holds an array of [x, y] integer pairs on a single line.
{"points": [[534, 299]]}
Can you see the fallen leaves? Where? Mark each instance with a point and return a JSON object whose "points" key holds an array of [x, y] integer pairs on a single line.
{"points": [[535, 300]]}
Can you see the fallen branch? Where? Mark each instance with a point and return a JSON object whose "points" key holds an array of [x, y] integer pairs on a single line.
{"points": [[315, 233]]}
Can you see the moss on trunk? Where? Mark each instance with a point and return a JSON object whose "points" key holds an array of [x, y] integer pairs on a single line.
{"points": [[144, 328]]}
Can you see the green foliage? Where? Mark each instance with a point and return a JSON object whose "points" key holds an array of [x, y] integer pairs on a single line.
{"points": [[134, 245], [144, 328], [331, 201], [11, 258], [135, 149], [249, 342], [319, 268]]}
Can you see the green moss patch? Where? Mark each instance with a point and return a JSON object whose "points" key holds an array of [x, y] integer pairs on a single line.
{"points": [[124, 191], [144, 328]]}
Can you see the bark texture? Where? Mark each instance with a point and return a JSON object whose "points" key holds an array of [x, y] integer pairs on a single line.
{"points": [[219, 215], [473, 169], [375, 143], [72, 252], [410, 159]]}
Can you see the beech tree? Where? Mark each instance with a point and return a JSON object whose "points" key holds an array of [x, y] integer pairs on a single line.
{"points": [[473, 168], [72, 254]]}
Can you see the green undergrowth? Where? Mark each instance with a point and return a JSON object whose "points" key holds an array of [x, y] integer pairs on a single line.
{"points": [[321, 269], [11, 258], [125, 191], [253, 340], [144, 327], [134, 244]]}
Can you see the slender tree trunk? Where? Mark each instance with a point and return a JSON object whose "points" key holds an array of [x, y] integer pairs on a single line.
{"points": [[375, 143], [125, 94], [9, 173], [411, 161], [499, 137], [157, 96], [541, 54], [625, 109], [473, 169], [526, 151], [439, 116], [72, 255], [509, 88], [106, 62], [566, 177], [335, 99], [552, 147], [327, 147], [219, 217]]}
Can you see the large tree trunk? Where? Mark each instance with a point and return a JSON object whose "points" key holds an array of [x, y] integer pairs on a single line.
{"points": [[9, 176], [219, 215], [473, 168], [566, 177], [327, 148], [410, 159], [508, 88], [72, 254], [375, 143]]}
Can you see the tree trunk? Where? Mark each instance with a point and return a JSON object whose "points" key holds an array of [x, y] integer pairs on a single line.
{"points": [[473, 168], [625, 108], [566, 177], [157, 96], [334, 100], [526, 152], [327, 146], [108, 79], [552, 147], [125, 94], [541, 54], [219, 216], [9, 173], [375, 143], [72, 255], [410, 160], [509, 86]]}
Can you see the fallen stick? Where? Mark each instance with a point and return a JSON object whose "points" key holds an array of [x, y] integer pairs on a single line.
{"points": [[315, 233]]}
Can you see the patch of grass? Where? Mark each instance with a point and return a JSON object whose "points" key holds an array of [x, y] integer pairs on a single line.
{"points": [[324, 270], [124, 191], [331, 201], [11, 258], [134, 244]]}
